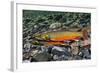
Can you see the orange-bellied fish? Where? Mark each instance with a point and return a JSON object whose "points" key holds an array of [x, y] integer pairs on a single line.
{"points": [[59, 37]]}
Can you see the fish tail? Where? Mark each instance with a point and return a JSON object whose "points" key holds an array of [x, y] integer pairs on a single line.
{"points": [[85, 33]]}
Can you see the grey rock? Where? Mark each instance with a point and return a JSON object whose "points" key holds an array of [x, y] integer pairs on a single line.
{"points": [[42, 57], [55, 25]]}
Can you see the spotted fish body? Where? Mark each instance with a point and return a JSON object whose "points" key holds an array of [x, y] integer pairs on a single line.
{"points": [[59, 37]]}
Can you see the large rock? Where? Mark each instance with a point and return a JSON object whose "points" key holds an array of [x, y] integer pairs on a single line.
{"points": [[42, 57], [60, 53]]}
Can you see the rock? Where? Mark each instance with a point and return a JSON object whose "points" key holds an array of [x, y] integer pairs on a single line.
{"points": [[76, 57], [55, 57], [60, 53], [26, 56], [57, 48], [44, 49], [42, 57], [27, 45], [75, 47], [55, 25], [33, 60], [35, 26], [38, 48], [50, 49], [75, 50], [68, 48], [34, 52], [86, 54]]}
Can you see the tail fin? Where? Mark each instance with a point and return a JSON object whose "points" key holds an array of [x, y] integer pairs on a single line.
{"points": [[85, 33]]}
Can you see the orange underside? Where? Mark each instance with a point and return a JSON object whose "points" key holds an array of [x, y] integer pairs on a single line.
{"points": [[54, 43], [63, 38]]}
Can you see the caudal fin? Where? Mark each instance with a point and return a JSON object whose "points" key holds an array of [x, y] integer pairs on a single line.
{"points": [[85, 33]]}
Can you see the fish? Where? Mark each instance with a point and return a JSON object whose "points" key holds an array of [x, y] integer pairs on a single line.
{"points": [[60, 37]]}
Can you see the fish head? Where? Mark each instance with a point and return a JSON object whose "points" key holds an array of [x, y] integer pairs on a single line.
{"points": [[42, 36]]}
